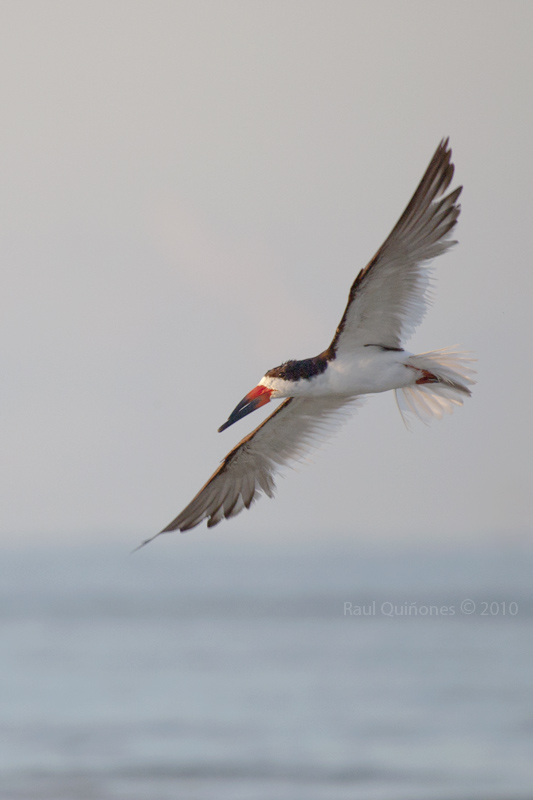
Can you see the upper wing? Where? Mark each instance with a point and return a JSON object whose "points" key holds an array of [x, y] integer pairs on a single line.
{"points": [[388, 298], [296, 427]]}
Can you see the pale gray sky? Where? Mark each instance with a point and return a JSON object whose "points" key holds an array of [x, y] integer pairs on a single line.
{"points": [[188, 190]]}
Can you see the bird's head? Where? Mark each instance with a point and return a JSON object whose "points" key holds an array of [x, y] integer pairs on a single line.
{"points": [[258, 397]]}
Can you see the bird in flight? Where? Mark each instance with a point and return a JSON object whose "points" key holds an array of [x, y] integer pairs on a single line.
{"points": [[387, 301]]}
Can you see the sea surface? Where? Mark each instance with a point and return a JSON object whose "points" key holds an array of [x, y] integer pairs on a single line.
{"points": [[198, 669]]}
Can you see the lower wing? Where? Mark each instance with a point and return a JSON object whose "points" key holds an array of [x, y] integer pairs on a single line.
{"points": [[289, 434]]}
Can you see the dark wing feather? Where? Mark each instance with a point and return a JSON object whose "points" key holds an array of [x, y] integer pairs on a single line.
{"points": [[388, 299], [296, 427]]}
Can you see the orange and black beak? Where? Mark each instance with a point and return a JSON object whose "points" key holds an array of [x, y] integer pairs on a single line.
{"points": [[254, 399]]}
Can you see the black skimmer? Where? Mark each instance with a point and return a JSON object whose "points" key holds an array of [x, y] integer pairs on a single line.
{"points": [[387, 301]]}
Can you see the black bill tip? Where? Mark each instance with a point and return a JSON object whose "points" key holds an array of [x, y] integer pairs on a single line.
{"points": [[254, 399]]}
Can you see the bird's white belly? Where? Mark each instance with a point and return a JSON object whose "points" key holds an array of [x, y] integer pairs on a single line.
{"points": [[370, 370], [367, 371]]}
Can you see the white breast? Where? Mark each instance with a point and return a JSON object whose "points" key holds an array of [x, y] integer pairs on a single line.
{"points": [[368, 370]]}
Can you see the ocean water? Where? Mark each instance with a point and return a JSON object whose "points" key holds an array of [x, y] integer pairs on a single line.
{"points": [[198, 669]]}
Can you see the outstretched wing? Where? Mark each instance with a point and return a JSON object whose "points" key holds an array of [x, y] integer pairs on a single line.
{"points": [[388, 299], [296, 427]]}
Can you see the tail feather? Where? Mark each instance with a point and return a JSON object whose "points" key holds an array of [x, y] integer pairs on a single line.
{"points": [[427, 401]]}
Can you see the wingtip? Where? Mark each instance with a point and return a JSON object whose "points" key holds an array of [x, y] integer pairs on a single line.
{"points": [[142, 544], [147, 541]]}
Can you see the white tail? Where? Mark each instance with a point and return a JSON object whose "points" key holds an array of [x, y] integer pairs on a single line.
{"points": [[427, 401]]}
